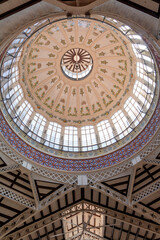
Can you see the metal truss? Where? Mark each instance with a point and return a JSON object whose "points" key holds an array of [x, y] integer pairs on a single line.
{"points": [[71, 178], [67, 177], [152, 161], [109, 192], [34, 189], [131, 184], [151, 147], [84, 206], [7, 150], [9, 168], [147, 191], [56, 195], [120, 175], [152, 157], [56, 176], [123, 217], [124, 200], [108, 173], [10, 226], [36, 226], [63, 177], [50, 174], [16, 196]]}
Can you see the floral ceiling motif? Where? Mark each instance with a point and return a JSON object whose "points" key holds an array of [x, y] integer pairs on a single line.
{"points": [[99, 94]]}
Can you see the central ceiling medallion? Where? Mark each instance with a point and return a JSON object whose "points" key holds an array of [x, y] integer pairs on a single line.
{"points": [[76, 63]]}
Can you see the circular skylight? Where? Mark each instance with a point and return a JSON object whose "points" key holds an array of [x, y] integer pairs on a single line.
{"points": [[76, 63], [107, 106]]}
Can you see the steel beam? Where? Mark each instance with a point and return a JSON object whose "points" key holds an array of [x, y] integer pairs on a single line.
{"points": [[152, 161], [84, 206], [131, 184], [18, 8], [34, 190], [10, 226], [148, 213]]}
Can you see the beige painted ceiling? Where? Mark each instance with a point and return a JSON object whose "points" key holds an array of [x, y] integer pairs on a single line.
{"points": [[60, 98]]}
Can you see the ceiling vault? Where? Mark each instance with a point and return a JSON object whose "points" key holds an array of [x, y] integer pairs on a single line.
{"points": [[48, 202]]}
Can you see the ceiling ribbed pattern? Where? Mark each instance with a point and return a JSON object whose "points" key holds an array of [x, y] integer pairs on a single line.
{"points": [[54, 94]]}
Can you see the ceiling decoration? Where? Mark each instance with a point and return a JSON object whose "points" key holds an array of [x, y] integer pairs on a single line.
{"points": [[119, 202], [76, 63], [106, 63], [99, 109]]}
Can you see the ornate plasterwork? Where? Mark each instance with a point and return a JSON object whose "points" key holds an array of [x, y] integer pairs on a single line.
{"points": [[101, 92]]}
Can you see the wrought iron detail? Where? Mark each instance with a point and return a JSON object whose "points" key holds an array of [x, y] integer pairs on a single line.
{"points": [[152, 188]]}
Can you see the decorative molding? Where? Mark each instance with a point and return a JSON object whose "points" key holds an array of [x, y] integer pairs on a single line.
{"points": [[70, 178]]}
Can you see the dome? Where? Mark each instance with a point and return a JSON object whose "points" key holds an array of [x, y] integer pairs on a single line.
{"points": [[79, 120], [80, 87]]}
